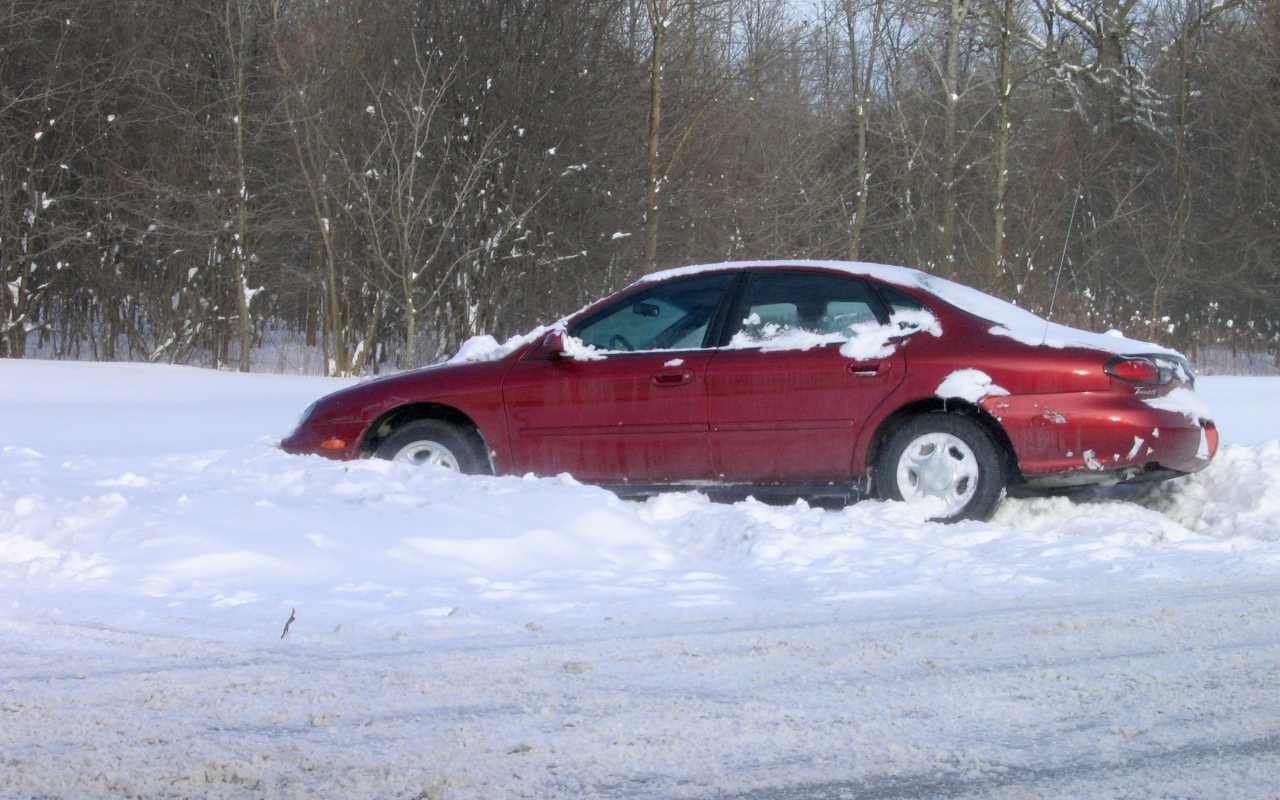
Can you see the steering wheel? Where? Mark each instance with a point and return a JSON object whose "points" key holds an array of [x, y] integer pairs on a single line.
{"points": [[619, 342]]}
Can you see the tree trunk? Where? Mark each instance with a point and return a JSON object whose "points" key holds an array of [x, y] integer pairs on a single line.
{"points": [[860, 82], [238, 41], [658, 11], [300, 126], [1003, 91], [410, 356], [1111, 36], [311, 322], [951, 84], [1175, 261]]}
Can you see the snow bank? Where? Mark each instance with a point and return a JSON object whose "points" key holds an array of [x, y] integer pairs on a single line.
{"points": [[1236, 498], [155, 494], [1232, 506]]}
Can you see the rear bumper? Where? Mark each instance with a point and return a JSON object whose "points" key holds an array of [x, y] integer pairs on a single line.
{"points": [[1053, 482], [1100, 437]]}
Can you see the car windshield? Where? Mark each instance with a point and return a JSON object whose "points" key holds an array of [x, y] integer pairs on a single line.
{"points": [[670, 316]]}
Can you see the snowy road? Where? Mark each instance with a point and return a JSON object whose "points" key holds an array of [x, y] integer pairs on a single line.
{"points": [[1124, 696], [495, 638]]}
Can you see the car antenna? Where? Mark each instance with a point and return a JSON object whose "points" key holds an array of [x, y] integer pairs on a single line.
{"points": [[1058, 278]]}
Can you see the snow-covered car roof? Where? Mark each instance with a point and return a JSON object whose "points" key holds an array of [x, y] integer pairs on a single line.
{"points": [[1008, 319], [903, 276]]}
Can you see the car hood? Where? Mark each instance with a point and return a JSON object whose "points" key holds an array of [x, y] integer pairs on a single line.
{"points": [[425, 384]]}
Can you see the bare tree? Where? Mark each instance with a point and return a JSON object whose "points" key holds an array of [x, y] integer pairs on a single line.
{"points": [[240, 24], [413, 184], [861, 73], [303, 111], [957, 12], [658, 14], [1003, 19]]}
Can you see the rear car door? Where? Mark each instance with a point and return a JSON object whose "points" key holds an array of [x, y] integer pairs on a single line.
{"points": [[637, 415], [784, 405]]}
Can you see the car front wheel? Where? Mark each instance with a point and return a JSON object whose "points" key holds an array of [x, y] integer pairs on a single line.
{"points": [[944, 459], [436, 443]]}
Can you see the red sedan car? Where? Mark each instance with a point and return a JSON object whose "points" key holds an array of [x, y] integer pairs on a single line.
{"points": [[806, 378]]}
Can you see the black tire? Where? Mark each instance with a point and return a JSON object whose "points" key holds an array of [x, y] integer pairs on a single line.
{"points": [[992, 474], [465, 444]]}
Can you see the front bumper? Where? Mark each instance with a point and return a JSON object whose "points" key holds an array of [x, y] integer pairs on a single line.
{"points": [[1100, 437], [338, 441]]}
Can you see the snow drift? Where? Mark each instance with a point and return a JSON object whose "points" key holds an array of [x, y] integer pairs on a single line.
{"points": [[156, 493]]}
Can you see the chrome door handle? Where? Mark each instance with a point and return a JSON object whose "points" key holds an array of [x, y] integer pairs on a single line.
{"points": [[673, 378], [863, 371]]}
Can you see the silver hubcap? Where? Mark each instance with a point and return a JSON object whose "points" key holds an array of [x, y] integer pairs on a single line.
{"points": [[938, 465], [425, 452]]}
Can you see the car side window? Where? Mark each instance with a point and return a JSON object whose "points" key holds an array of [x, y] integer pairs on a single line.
{"points": [[789, 305], [673, 315]]}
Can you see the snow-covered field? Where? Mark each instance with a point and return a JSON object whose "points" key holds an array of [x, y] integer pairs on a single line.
{"points": [[505, 637]]}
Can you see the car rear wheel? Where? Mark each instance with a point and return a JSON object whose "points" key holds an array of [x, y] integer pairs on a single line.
{"points": [[435, 443], [943, 458]]}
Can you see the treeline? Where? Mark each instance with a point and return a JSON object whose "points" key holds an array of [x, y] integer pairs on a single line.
{"points": [[182, 180]]}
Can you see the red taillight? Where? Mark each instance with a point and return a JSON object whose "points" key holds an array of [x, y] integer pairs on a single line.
{"points": [[1137, 370]]}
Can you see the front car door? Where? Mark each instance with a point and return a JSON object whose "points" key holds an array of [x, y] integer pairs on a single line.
{"points": [[638, 412], [784, 404]]}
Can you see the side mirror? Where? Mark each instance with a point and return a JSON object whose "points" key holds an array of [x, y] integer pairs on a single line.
{"points": [[552, 345]]}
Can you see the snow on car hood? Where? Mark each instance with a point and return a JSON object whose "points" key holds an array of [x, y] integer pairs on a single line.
{"points": [[1009, 320], [486, 348]]}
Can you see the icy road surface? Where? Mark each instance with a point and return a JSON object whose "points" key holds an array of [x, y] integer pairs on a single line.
{"points": [[518, 638]]}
